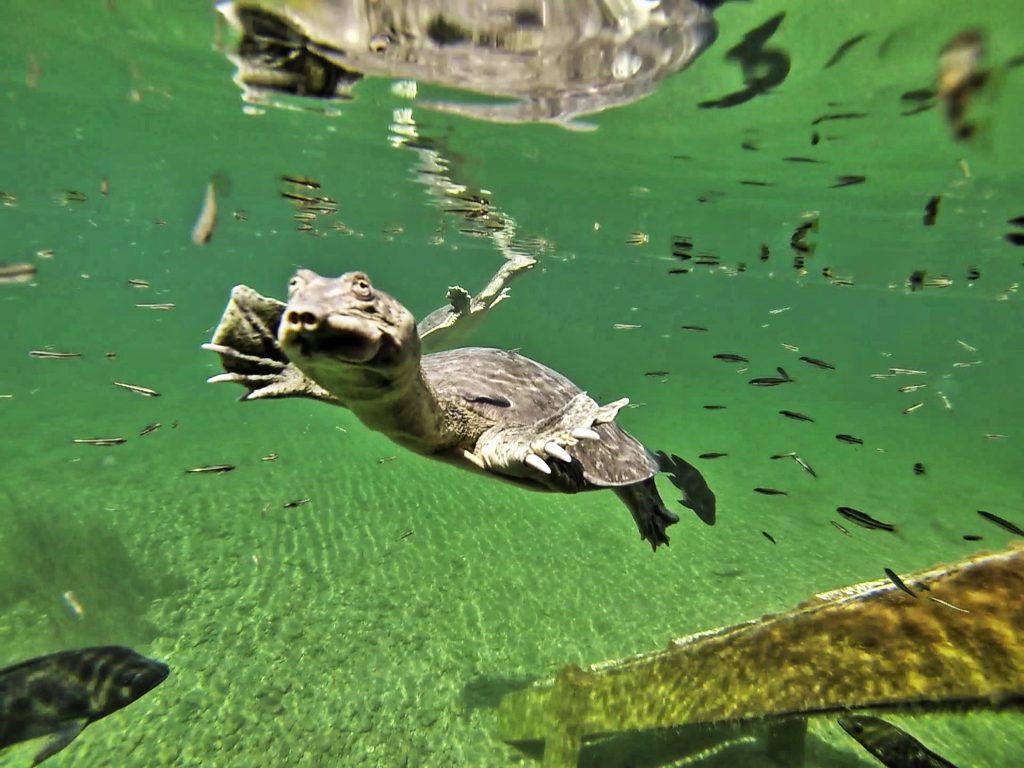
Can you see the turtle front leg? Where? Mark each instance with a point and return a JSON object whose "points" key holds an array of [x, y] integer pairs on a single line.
{"points": [[541, 452], [246, 340]]}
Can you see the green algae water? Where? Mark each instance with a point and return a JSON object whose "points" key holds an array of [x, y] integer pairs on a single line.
{"points": [[380, 622]]}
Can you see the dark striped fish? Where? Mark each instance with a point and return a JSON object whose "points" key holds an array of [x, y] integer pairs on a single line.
{"points": [[849, 439], [895, 579], [795, 416], [1001, 522], [817, 363], [770, 491], [62, 693], [895, 748], [864, 520], [729, 357]]}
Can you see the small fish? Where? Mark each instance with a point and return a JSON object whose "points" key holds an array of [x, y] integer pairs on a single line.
{"points": [[150, 428], [240, 215], [907, 372], [693, 327], [60, 694], [805, 466], [202, 230], [45, 354], [971, 537], [404, 534], [656, 374], [839, 116], [911, 408], [841, 528], [637, 238], [843, 49], [931, 210], [386, 459], [899, 582], [210, 469], [849, 439], [138, 282], [799, 159], [712, 455], [966, 346], [44, 253], [697, 496], [71, 196], [779, 310], [944, 604], [795, 416], [162, 307], [269, 457], [848, 181], [817, 363], [773, 381], [770, 491], [768, 536], [864, 520], [893, 747], [144, 391], [994, 436], [912, 387], [713, 407], [102, 441], [1001, 522], [919, 469], [73, 605], [17, 274], [301, 181], [625, 326], [728, 357], [105, 186], [296, 503]]}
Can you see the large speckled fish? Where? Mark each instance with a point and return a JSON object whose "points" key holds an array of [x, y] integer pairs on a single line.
{"points": [[62, 693]]}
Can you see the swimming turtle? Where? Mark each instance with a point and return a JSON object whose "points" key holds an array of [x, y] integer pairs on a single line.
{"points": [[343, 341]]}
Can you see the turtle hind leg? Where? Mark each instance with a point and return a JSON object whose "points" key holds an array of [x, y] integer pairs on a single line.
{"points": [[648, 510]]}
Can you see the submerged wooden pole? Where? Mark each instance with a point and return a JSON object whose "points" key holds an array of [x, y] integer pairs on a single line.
{"points": [[954, 643]]}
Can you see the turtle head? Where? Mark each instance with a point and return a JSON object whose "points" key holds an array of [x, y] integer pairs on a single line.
{"points": [[341, 331]]}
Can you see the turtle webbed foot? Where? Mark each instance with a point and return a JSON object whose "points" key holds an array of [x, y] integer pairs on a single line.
{"points": [[246, 340]]}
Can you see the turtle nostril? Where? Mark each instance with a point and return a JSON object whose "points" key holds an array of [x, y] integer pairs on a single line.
{"points": [[304, 320]]}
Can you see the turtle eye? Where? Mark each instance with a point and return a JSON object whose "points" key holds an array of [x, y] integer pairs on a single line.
{"points": [[362, 289]]}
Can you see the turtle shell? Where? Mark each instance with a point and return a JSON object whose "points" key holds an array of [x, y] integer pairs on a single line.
{"points": [[509, 389]]}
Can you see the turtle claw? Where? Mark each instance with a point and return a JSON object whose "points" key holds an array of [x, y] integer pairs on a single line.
{"points": [[538, 463], [583, 433], [553, 449]]}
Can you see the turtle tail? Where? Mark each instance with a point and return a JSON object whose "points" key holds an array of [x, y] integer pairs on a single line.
{"points": [[648, 510]]}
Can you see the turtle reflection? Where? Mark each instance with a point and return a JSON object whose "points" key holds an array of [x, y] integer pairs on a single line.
{"points": [[555, 59]]}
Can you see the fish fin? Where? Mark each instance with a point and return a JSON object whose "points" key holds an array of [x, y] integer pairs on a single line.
{"points": [[62, 738]]}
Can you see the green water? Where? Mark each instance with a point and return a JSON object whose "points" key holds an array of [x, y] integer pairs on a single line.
{"points": [[324, 635]]}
